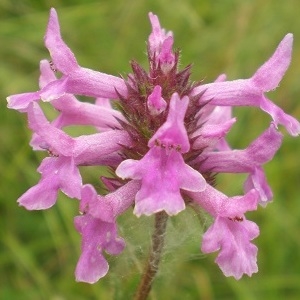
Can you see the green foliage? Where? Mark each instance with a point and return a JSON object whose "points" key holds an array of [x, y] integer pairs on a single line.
{"points": [[39, 250]]}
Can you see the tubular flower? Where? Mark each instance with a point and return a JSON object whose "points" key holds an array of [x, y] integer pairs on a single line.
{"points": [[164, 140]]}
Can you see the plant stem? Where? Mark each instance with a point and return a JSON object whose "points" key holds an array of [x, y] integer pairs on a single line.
{"points": [[151, 268]]}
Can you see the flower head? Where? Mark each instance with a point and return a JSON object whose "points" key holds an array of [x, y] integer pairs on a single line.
{"points": [[164, 141]]}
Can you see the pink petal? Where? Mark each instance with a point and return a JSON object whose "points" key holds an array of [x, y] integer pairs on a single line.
{"points": [[96, 237], [63, 58], [70, 181], [108, 207], [78, 80], [41, 196], [257, 180], [21, 102], [211, 134], [60, 142], [95, 205], [157, 36], [162, 176], [57, 173], [243, 92], [121, 199], [257, 153], [166, 56], [269, 75], [47, 75], [172, 134], [89, 149], [237, 255], [156, 104], [218, 204]]}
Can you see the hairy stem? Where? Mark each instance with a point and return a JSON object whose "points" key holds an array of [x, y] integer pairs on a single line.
{"points": [[151, 268]]}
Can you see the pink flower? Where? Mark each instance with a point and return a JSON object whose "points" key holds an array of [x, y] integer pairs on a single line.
{"points": [[97, 235], [98, 229], [164, 140], [244, 92], [162, 170], [160, 45], [230, 233]]}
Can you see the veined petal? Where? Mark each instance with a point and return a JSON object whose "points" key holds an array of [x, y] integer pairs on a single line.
{"points": [[237, 255], [269, 75], [108, 207], [41, 196], [218, 204], [75, 112], [210, 134], [243, 92], [258, 181], [78, 80], [85, 149], [162, 176], [257, 153], [63, 58], [60, 142], [97, 236], [157, 36], [57, 173], [95, 205], [155, 102], [21, 102], [172, 134]]}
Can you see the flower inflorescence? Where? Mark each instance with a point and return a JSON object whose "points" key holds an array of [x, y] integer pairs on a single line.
{"points": [[164, 138]]}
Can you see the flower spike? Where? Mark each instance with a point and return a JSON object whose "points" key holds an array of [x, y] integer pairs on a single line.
{"points": [[162, 140]]}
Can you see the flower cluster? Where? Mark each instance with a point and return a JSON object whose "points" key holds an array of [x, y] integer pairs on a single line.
{"points": [[164, 139]]}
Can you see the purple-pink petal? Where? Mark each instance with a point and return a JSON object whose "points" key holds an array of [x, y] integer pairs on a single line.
{"points": [[21, 102], [95, 205], [60, 142], [162, 176], [218, 204], [123, 197], [97, 236], [210, 134], [86, 149], [258, 181], [70, 181], [41, 196], [57, 173], [63, 58], [280, 117], [244, 92], [237, 254], [173, 134], [157, 36], [156, 104], [182, 137], [257, 153], [109, 207], [166, 56], [269, 75], [76, 80]]}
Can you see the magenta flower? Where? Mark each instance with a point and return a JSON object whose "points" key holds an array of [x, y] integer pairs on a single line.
{"points": [[164, 140]]}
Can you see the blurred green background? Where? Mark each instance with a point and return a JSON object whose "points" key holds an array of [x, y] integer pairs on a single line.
{"points": [[39, 250]]}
